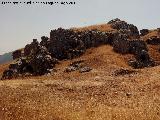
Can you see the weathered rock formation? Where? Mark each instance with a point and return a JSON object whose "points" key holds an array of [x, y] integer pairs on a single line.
{"points": [[17, 54], [40, 58], [153, 40], [144, 32], [125, 28], [142, 60], [37, 62]]}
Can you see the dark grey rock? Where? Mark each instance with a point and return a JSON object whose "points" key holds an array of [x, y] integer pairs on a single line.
{"points": [[129, 29], [121, 44], [153, 40], [144, 32], [17, 54], [136, 46]]}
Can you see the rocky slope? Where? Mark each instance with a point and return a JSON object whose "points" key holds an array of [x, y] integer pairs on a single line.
{"points": [[40, 58]]}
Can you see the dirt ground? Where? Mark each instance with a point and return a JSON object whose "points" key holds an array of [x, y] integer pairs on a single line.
{"points": [[96, 95]]}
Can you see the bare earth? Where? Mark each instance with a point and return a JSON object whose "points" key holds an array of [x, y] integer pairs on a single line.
{"points": [[96, 95]]}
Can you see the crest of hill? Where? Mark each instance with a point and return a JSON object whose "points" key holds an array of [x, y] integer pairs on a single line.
{"points": [[152, 33], [120, 42], [100, 27]]}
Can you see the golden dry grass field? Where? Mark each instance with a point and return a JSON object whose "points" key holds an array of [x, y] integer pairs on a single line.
{"points": [[95, 95]]}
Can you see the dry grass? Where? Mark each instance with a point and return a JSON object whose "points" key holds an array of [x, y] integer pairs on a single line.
{"points": [[3, 67], [97, 95], [101, 27], [151, 34]]}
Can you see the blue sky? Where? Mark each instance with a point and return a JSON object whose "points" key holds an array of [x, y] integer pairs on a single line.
{"points": [[19, 24]]}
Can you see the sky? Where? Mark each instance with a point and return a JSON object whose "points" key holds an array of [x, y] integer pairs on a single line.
{"points": [[21, 23]]}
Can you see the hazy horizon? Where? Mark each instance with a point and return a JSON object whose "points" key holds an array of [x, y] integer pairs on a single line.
{"points": [[21, 23]]}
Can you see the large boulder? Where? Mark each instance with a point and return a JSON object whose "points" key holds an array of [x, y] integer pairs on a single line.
{"points": [[129, 29]]}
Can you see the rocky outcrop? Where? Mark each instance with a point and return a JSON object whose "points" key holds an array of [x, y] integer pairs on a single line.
{"points": [[136, 46], [40, 58], [142, 60], [144, 32], [155, 40], [37, 62], [44, 41], [17, 54], [68, 44], [30, 47], [65, 44], [16, 69], [124, 27], [121, 44]]}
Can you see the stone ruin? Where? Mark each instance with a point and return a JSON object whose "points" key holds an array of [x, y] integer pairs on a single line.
{"points": [[40, 58]]}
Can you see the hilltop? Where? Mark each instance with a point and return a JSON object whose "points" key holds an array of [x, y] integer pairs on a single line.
{"points": [[96, 83]]}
